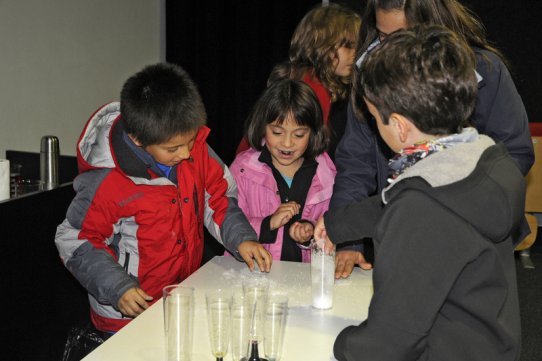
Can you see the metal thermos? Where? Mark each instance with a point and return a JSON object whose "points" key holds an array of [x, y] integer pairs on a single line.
{"points": [[49, 153]]}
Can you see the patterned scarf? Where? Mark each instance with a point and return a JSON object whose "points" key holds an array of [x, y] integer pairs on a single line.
{"points": [[409, 156]]}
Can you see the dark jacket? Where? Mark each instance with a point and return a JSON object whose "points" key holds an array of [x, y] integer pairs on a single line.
{"points": [[445, 284], [362, 157]]}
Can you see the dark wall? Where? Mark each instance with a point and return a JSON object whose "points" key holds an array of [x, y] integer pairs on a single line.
{"points": [[515, 28], [230, 46], [41, 300]]}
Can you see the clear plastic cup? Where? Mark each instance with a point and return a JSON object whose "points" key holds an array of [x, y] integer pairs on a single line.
{"points": [[178, 322], [322, 277]]}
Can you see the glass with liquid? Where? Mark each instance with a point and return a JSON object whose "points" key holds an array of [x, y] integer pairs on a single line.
{"points": [[322, 277]]}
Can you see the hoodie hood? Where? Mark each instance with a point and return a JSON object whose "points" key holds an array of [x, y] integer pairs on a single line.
{"points": [[105, 144], [478, 181], [94, 145]]}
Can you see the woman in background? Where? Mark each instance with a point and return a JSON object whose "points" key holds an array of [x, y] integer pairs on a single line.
{"points": [[362, 157]]}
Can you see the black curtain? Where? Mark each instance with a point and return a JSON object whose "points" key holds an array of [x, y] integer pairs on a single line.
{"points": [[229, 47], [515, 28]]}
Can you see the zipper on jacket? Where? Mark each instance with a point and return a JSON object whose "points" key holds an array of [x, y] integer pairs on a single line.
{"points": [[196, 206], [126, 261]]}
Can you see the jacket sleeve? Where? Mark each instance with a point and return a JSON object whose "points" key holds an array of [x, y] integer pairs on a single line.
{"points": [[258, 223], [356, 160], [354, 221], [86, 250], [223, 218], [500, 112], [420, 255]]}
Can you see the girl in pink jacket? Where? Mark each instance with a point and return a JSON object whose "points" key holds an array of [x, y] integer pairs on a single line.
{"points": [[285, 180]]}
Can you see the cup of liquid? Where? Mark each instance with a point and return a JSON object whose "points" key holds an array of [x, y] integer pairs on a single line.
{"points": [[322, 276]]}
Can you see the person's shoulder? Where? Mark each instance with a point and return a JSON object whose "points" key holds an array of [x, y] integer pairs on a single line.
{"points": [[247, 158], [324, 160], [488, 62]]}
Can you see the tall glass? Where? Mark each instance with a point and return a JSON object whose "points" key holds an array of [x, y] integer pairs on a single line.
{"points": [[219, 321], [240, 318], [275, 323], [256, 292], [322, 277], [178, 322]]}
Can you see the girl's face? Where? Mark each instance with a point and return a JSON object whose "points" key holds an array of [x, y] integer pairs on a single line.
{"points": [[389, 21], [287, 143], [344, 61]]}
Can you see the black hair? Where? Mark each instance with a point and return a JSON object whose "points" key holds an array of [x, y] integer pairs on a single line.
{"points": [[160, 102], [425, 74], [280, 100]]}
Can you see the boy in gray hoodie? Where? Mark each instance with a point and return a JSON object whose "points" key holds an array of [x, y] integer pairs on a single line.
{"points": [[444, 276]]}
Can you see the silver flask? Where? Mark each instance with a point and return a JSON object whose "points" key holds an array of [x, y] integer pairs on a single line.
{"points": [[49, 153]]}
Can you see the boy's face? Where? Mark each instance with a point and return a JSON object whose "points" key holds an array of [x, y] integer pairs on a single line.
{"points": [[173, 151], [388, 132]]}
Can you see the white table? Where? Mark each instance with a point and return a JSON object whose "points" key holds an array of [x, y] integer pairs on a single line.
{"points": [[309, 334]]}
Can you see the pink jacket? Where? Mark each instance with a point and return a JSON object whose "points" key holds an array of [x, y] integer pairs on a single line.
{"points": [[258, 193]]}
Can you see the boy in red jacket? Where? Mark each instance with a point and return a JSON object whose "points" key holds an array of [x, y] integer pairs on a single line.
{"points": [[148, 183]]}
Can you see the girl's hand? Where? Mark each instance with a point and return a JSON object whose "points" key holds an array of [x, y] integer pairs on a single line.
{"points": [[301, 232], [283, 214]]}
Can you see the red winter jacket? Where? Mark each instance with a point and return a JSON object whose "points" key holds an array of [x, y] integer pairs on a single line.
{"points": [[129, 226]]}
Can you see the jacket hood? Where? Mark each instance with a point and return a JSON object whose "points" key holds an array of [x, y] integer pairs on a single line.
{"points": [[478, 181], [94, 145], [102, 144]]}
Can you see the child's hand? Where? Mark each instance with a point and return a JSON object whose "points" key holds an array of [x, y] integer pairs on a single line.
{"points": [[321, 237], [133, 302], [301, 232], [283, 214], [346, 260], [250, 250], [320, 229]]}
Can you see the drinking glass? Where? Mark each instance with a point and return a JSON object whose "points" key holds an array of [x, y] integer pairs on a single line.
{"points": [[219, 321], [14, 179], [26, 186], [275, 323], [240, 318], [322, 277], [178, 322], [256, 291]]}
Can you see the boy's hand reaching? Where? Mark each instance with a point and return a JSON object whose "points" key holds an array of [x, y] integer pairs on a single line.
{"points": [[346, 260], [133, 302], [320, 235], [301, 232], [250, 251], [283, 214]]}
